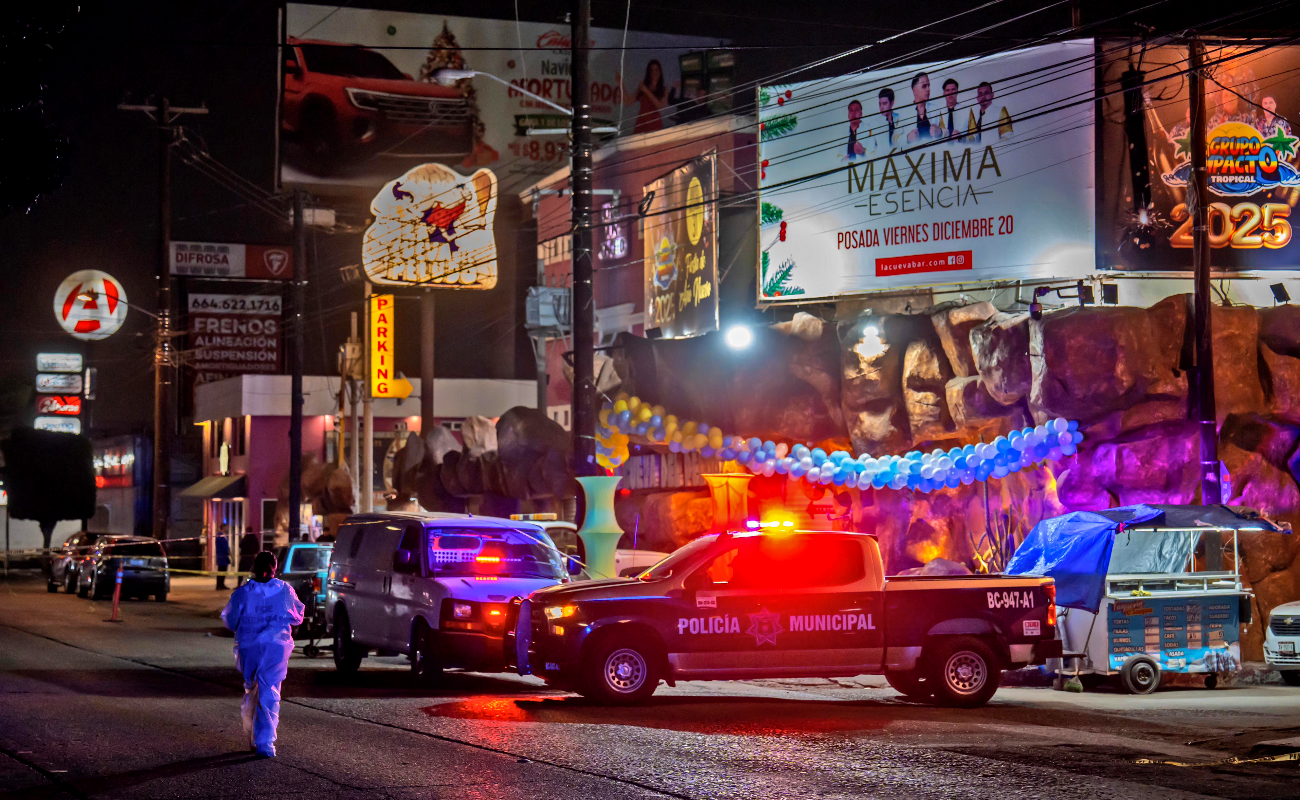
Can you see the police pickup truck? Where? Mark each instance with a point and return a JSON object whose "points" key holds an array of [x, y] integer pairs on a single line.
{"points": [[780, 605]]}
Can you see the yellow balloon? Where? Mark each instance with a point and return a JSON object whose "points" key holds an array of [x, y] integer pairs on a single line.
{"points": [[658, 411], [669, 430], [633, 402], [715, 438], [603, 416], [644, 413], [671, 419], [689, 428], [701, 440], [675, 436], [620, 406]]}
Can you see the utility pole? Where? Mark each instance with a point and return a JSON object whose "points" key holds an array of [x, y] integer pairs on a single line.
{"points": [[368, 412], [354, 387], [293, 338], [163, 113], [426, 362], [584, 301], [1198, 201]]}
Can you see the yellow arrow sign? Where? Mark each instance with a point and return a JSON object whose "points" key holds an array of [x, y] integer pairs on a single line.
{"points": [[399, 388]]}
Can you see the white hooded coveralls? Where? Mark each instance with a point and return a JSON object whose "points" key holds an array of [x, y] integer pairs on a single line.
{"points": [[262, 615]]}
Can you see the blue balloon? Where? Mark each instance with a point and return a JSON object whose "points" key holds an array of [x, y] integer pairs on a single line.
{"points": [[769, 446], [1000, 472], [726, 454], [959, 463], [878, 482], [817, 453], [806, 463], [798, 470], [1073, 426], [952, 481], [914, 468], [642, 428], [706, 451], [913, 481], [660, 433], [814, 474], [781, 467], [624, 417], [999, 461], [675, 447], [743, 456], [702, 428], [1002, 444], [656, 421], [755, 443], [1078, 437], [838, 478], [968, 450]]}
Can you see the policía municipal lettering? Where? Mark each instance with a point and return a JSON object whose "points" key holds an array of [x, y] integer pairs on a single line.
{"points": [[807, 623], [721, 624]]}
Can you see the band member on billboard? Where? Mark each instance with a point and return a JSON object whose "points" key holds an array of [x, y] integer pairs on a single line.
{"points": [[883, 138], [651, 96], [977, 127], [925, 130], [855, 147], [1270, 124], [949, 117]]}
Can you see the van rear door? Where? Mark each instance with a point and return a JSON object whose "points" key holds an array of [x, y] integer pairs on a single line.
{"points": [[372, 569]]}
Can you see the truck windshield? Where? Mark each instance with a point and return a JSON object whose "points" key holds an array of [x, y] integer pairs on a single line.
{"points": [[494, 552], [678, 558], [308, 559], [349, 62]]}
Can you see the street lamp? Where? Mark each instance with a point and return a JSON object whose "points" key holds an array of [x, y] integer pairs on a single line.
{"points": [[91, 296], [739, 337], [449, 77]]}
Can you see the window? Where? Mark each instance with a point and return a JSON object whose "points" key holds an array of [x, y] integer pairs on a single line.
{"points": [[349, 62], [411, 538], [308, 559], [493, 551], [268, 514], [789, 562], [241, 436]]}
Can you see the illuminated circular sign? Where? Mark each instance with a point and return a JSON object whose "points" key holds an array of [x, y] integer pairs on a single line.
{"points": [[90, 304]]}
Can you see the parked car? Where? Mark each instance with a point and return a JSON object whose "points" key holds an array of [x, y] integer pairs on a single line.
{"points": [[304, 566], [435, 587], [343, 103], [627, 561], [142, 560], [811, 604], [1282, 641], [66, 560]]}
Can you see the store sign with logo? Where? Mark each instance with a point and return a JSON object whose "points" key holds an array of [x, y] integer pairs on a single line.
{"points": [[227, 260], [681, 250], [434, 227], [68, 405], [58, 383], [90, 304], [58, 424], [58, 362], [114, 467], [234, 334]]}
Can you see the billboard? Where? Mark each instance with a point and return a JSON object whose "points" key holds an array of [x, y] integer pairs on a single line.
{"points": [[234, 334], [360, 106], [681, 250], [940, 173], [1252, 102], [90, 305], [226, 260]]}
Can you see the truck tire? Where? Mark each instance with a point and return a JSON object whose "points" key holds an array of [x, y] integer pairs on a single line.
{"points": [[910, 684], [963, 671], [347, 654], [51, 586], [82, 591], [1140, 675], [619, 671], [425, 667], [1291, 677]]}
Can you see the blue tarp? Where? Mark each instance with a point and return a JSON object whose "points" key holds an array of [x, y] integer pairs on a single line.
{"points": [[1075, 549]]}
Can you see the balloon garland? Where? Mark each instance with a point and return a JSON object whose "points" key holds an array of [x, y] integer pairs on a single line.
{"points": [[625, 417]]}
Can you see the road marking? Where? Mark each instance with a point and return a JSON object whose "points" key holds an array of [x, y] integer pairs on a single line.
{"points": [[1233, 760]]}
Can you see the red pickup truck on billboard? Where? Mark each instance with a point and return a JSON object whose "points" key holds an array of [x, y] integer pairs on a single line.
{"points": [[343, 103]]}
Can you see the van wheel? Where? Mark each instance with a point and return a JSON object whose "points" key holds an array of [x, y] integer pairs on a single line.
{"points": [[425, 667], [51, 586], [910, 684], [619, 671], [964, 672], [347, 654], [1140, 675]]}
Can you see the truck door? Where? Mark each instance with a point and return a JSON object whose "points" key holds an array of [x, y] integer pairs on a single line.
{"points": [[789, 605]]}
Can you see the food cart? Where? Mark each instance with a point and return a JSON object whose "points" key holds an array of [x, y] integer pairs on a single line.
{"points": [[1146, 589]]}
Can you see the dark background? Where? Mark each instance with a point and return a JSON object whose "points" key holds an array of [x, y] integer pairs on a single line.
{"points": [[224, 54]]}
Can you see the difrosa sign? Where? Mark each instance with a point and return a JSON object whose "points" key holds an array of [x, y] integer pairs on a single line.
{"points": [[226, 260]]}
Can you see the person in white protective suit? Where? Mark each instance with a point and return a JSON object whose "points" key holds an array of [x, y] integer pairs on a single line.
{"points": [[262, 614]]}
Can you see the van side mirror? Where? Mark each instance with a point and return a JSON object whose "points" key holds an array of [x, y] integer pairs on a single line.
{"points": [[404, 562], [574, 567]]}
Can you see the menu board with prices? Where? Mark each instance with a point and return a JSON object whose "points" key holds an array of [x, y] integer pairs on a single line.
{"points": [[1197, 634]]}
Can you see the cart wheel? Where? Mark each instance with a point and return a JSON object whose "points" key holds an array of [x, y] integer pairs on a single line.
{"points": [[311, 651], [1140, 675], [1211, 681]]}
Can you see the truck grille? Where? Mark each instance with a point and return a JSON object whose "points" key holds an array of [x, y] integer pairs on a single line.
{"points": [[1285, 626], [422, 110]]}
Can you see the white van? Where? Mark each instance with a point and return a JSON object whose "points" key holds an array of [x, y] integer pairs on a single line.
{"points": [[1282, 641], [432, 586]]}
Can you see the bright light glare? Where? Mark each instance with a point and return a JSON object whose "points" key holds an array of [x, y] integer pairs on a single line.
{"points": [[871, 344], [739, 337], [871, 330]]}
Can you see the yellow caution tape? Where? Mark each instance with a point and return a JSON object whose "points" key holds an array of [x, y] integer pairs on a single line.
{"points": [[1260, 760]]}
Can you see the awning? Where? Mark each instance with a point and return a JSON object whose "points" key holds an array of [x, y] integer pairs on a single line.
{"points": [[224, 487]]}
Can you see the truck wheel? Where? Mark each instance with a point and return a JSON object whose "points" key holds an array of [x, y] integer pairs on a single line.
{"points": [[910, 684], [69, 583], [51, 586], [1291, 677], [619, 671], [425, 667], [82, 591], [1140, 675], [347, 655], [964, 672]]}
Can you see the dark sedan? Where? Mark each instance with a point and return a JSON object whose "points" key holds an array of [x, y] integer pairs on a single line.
{"points": [[143, 564]]}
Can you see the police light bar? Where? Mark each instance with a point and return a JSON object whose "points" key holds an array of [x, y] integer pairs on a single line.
{"points": [[547, 517], [754, 524]]}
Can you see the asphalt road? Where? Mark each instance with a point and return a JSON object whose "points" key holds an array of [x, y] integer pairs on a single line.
{"points": [[149, 708]]}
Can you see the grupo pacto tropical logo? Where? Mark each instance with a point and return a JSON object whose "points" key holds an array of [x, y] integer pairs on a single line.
{"points": [[1240, 161]]}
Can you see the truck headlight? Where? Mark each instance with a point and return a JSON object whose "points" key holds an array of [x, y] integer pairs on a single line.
{"points": [[363, 99], [560, 612], [462, 610]]}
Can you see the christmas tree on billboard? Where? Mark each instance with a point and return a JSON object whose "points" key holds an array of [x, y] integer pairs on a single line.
{"points": [[445, 53]]}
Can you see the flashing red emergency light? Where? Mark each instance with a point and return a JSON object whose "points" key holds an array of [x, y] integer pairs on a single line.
{"points": [[488, 559], [754, 524]]}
